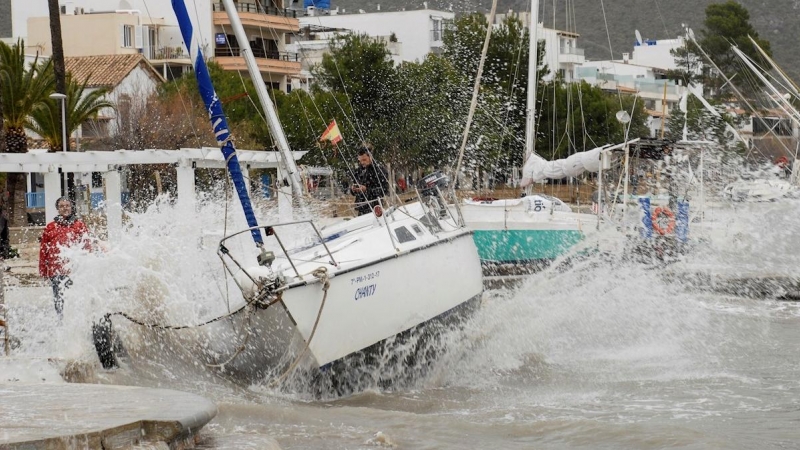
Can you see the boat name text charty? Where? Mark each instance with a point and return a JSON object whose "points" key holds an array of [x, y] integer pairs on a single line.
{"points": [[365, 291]]}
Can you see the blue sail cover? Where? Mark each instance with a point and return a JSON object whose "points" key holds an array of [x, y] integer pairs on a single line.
{"points": [[321, 4], [215, 113]]}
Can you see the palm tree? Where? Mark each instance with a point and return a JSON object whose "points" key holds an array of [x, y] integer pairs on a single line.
{"points": [[23, 89], [81, 105]]}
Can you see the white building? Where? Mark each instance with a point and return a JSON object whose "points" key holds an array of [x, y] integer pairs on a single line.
{"points": [[657, 94], [561, 55], [656, 53], [128, 79], [416, 32]]}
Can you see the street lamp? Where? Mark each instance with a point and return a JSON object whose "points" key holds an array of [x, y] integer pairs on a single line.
{"points": [[63, 99]]}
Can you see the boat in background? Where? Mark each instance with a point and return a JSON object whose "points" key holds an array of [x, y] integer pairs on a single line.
{"points": [[529, 232]]}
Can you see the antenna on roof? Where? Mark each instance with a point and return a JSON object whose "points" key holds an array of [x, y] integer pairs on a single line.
{"points": [[639, 40]]}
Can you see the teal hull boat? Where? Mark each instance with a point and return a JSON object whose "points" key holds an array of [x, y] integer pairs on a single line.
{"points": [[524, 246]]}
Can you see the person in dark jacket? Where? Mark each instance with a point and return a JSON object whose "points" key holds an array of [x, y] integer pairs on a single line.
{"points": [[371, 183], [64, 231]]}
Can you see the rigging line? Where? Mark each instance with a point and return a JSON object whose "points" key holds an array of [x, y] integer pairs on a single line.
{"points": [[474, 102], [610, 48], [186, 110], [343, 148], [244, 85], [357, 126], [661, 16], [271, 91]]}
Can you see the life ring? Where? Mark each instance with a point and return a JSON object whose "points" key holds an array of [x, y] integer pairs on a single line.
{"points": [[670, 225]]}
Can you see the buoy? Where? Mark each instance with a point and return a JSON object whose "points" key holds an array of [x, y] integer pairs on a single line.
{"points": [[103, 337]]}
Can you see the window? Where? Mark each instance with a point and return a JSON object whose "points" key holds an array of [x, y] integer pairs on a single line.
{"points": [[437, 30], [127, 36], [403, 235]]}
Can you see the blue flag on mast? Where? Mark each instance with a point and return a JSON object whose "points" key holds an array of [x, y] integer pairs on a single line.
{"points": [[216, 115]]}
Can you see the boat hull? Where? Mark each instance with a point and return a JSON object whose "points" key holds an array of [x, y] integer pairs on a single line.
{"points": [[508, 232], [362, 309], [509, 246]]}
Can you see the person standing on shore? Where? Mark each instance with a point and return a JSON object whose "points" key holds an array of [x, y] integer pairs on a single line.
{"points": [[65, 230]]}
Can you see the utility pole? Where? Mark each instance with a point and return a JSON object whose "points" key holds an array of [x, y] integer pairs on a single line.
{"points": [[60, 72]]}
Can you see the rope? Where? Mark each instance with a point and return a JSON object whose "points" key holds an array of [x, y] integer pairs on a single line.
{"points": [[321, 274]]}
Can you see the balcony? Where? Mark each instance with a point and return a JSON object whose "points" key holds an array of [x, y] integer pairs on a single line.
{"points": [[259, 16], [282, 63], [154, 53], [570, 55]]}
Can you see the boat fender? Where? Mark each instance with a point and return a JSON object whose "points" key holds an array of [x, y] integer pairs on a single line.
{"points": [[670, 224], [103, 337], [378, 211]]}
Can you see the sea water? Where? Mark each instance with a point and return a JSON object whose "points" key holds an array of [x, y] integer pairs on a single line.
{"points": [[595, 353]]}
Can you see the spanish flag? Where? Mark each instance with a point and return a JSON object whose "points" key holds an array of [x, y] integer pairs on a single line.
{"points": [[332, 133]]}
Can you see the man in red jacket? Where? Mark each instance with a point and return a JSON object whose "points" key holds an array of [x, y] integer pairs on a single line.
{"points": [[64, 231]]}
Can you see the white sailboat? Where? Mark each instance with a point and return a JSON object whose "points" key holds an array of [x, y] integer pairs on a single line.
{"points": [[321, 295], [537, 228]]}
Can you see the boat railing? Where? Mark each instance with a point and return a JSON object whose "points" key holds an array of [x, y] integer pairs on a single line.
{"points": [[266, 257]]}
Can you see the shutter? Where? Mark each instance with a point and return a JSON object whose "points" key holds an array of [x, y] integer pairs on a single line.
{"points": [[122, 35], [138, 36]]}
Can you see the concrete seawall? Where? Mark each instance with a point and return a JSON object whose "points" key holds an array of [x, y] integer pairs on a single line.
{"points": [[67, 416]]}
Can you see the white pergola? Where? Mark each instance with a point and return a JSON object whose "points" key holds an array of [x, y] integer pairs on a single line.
{"points": [[185, 160]]}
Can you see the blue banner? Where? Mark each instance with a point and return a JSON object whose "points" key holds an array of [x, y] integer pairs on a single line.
{"points": [[646, 232], [321, 4], [682, 222], [217, 116]]}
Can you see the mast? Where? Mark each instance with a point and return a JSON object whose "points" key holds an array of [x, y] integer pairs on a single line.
{"points": [[216, 115], [263, 96], [533, 58], [779, 100], [789, 83]]}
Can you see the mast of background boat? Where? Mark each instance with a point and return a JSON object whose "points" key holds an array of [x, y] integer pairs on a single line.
{"points": [[263, 96], [533, 59], [789, 83], [216, 115], [780, 100]]}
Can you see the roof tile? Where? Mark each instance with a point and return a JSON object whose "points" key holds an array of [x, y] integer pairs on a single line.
{"points": [[103, 71]]}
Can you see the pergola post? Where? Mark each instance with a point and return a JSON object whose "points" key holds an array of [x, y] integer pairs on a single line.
{"points": [[52, 189], [284, 194], [246, 175], [113, 205], [186, 187]]}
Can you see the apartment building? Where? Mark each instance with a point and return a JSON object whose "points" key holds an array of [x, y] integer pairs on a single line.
{"points": [[149, 27], [561, 52]]}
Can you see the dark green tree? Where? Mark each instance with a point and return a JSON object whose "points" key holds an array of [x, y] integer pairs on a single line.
{"points": [[584, 118], [728, 24], [689, 64], [702, 125], [361, 69]]}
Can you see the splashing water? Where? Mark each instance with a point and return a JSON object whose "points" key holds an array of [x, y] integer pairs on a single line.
{"points": [[599, 353]]}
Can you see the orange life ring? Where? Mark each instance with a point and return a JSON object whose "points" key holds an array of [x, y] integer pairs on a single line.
{"points": [[670, 225]]}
